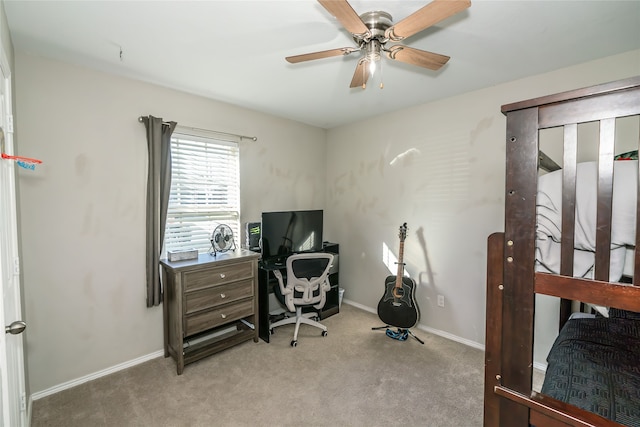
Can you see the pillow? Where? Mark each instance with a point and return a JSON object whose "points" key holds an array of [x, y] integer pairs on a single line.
{"points": [[601, 310], [629, 155], [623, 314]]}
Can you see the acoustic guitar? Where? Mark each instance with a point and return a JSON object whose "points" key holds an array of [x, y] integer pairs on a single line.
{"points": [[398, 306]]}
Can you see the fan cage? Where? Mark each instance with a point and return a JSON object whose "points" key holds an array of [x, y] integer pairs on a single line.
{"points": [[222, 239]]}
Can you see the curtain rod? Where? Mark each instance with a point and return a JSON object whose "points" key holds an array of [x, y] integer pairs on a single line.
{"points": [[252, 138]]}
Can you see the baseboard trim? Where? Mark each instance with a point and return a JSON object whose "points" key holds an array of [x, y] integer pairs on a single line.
{"points": [[29, 410], [69, 384], [438, 332], [540, 366]]}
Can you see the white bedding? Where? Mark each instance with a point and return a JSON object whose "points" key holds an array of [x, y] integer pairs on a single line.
{"points": [[549, 206]]}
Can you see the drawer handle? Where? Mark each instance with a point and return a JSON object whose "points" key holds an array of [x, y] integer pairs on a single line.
{"points": [[224, 316], [223, 296], [222, 275]]}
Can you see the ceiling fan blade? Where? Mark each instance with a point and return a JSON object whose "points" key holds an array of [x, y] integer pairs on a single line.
{"points": [[361, 75], [425, 17], [421, 58], [348, 17], [322, 54]]}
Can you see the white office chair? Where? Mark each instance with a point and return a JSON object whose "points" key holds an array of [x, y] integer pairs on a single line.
{"points": [[307, 286]]}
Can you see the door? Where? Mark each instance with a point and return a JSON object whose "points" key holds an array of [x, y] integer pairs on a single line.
{"points": [[12, 381]]}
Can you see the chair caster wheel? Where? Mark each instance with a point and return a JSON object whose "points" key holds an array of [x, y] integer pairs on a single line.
{"points": [[324, 333], [294, 343]]}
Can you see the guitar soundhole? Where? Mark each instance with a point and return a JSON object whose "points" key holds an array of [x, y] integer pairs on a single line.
{"points": [[398, 292]]}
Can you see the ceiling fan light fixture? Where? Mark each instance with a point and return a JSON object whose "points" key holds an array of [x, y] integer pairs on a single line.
{"points": [[372, 55], [372, 67]]}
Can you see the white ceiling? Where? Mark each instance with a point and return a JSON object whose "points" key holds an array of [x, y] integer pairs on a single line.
{"points": [[234, 51]]}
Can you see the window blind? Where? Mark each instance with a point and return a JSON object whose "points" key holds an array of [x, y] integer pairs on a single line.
{"points": [[205, 191]]}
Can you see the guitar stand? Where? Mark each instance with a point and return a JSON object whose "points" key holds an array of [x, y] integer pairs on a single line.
{"points": [[400, 331]]}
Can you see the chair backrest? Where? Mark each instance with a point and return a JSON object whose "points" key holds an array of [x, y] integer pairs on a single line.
{"points": [[307, 279]]}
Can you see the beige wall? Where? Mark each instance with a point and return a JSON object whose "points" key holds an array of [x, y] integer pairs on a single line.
{"points": [[83, 209], [440, 168]]}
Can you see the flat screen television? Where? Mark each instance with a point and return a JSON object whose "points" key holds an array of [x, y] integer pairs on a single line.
{"points": [[290, 232]]}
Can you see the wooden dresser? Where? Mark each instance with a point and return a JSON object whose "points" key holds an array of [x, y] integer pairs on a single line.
{"points": [[210, 304]]}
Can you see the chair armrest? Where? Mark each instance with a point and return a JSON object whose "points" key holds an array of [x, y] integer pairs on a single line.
{"points": [[326, 285], [283, 289]]}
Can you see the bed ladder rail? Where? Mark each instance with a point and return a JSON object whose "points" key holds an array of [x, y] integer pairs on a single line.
{"points": [[493, 336], [548, 412], [607, 294]]}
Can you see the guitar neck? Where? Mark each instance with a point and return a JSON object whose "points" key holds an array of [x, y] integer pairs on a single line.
{"points": [[400, 265]]}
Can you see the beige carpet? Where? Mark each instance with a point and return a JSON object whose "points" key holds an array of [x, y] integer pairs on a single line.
{"points": [[352, 377]]}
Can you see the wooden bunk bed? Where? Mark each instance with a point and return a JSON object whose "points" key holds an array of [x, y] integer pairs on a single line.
{"points": [[512, 278]]}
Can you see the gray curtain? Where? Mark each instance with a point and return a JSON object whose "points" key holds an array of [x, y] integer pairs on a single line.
{"points": [[158, 189]]}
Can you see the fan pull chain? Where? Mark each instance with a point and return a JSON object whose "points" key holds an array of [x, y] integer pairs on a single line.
{"points": [[381, 74]]}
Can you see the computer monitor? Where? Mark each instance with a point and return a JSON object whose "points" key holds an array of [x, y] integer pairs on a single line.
{"points": [[289, 232]]}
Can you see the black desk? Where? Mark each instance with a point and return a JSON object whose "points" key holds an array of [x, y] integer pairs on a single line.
{"points": [[266, 281]]}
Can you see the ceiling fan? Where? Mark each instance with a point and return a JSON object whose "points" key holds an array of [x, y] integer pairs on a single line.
{"points": [[372, 30]]}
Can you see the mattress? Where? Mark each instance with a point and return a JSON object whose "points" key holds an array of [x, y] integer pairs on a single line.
{"points": [[594, 364], [549, 220]]}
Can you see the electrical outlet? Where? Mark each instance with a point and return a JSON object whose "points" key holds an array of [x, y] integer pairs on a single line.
{"points": [[440, 300]]}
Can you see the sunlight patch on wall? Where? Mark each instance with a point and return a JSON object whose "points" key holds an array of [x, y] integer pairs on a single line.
{"points": [[443, 176], [447, 168], [411, 152], [391, 261]]}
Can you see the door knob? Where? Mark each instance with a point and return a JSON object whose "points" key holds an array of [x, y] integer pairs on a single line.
{"points": [[15, 328]]}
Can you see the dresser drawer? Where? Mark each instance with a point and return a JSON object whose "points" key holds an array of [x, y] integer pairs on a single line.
{"points": [[217, 275], [204, 320], [222, 294]]}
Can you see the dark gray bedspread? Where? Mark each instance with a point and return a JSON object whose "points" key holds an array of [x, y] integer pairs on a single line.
{"points": [[595, 364]]}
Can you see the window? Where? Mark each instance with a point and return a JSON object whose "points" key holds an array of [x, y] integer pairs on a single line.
{"points": [[205, 191]]}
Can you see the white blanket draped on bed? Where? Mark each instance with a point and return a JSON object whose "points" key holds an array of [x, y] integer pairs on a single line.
{"points": [[549, 206]]}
